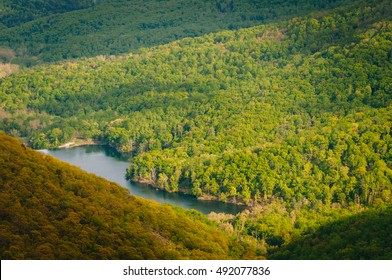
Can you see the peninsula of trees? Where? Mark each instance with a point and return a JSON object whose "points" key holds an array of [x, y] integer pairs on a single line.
{"points": [[299, 109], [290, 116]]}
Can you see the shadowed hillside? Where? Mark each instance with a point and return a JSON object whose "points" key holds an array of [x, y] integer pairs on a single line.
{"points": [[45, 31], [367, 235], [52, 210]]}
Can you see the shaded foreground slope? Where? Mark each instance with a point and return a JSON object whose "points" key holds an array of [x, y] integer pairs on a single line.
{"points": [[367, 235], [52, 210]]}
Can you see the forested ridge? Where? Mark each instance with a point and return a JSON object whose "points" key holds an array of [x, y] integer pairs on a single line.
{"points": [[366, 235], [296, 110], [17, 12], [52, 210], [292, 118], [36, 31]]}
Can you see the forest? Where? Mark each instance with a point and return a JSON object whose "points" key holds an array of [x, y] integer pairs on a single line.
{"points": [[290, 115], [362, 236], [52, 210], [44, 31], [295, 110]]}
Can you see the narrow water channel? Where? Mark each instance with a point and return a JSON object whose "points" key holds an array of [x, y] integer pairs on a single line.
{"points": [[106, 162]]}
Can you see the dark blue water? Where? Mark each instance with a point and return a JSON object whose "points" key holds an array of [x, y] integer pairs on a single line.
{"points": [[106, 162]]}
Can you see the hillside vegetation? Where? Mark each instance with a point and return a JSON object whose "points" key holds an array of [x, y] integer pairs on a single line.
{"points": [[52, 210], [292, 118], [17, 12], [299, 110], [365, 236], [45, 31]]}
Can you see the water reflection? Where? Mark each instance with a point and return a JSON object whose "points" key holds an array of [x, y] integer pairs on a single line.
{"points": [[106, 162]]}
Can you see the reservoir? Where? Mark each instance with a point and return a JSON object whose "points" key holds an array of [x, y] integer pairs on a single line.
{"points": [[106, 162]]}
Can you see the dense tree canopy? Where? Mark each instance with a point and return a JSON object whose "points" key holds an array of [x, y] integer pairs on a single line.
{"points": [[52, 210], [45, 31], [299, 109], [292, 117], [363, 236]]}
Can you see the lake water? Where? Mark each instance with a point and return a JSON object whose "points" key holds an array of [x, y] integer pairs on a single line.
{"points": [[106, 162]]}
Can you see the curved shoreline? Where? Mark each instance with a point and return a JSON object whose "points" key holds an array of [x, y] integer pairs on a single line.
{"points": [[78, 143], [88, 142], [187, 192]]}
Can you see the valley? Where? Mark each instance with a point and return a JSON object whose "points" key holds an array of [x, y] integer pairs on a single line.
{"points": [[105, 162], [284, 107]]}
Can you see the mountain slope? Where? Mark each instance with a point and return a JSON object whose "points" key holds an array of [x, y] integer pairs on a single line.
{"points": [[293, 118], [366, 236], [46, 31], [298, 110], [51, 210], [17, 12]]}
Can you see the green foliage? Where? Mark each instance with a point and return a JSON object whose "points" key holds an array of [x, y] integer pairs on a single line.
{"points": [[46, 31], [304, 231], [366, 235], [17, 12], [292, 118], [52, 210], [295, 110]]}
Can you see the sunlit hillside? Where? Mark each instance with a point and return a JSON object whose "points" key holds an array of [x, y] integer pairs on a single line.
{"points": [[291, 117], [52, 210]]}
